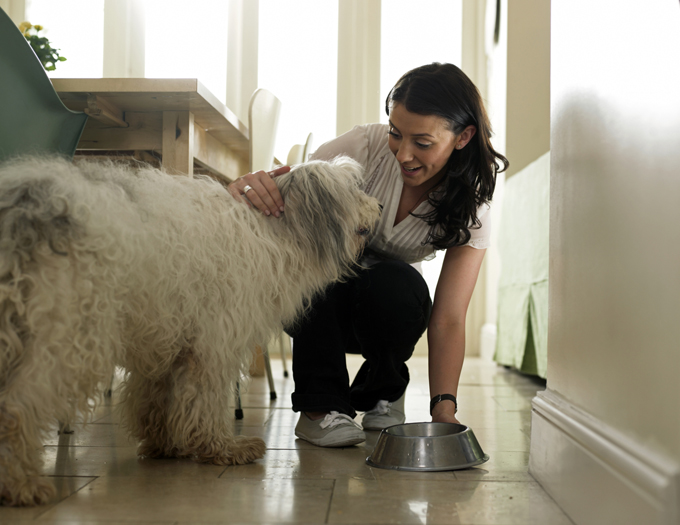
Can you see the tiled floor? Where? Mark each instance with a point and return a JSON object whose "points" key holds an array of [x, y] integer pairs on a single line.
{"points": [[101, 480]]}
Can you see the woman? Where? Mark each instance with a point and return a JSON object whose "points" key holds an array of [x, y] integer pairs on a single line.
{"points": [[434, 171]]}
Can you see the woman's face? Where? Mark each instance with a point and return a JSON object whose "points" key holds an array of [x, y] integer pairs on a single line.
{"points": [[422, 145]]}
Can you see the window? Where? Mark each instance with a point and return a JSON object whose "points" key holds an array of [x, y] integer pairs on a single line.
{"points": [[413, 34], [298, 62], [416, 33], [188, 40], [79, 38]]}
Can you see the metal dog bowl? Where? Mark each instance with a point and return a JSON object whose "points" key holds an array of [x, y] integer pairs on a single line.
{"points": [[427, 447]]}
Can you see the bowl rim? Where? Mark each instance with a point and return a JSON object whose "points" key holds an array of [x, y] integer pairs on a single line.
{"points": [[463, 431]]}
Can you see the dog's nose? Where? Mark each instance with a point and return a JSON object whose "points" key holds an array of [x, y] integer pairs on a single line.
{"points": [[363, 231]]}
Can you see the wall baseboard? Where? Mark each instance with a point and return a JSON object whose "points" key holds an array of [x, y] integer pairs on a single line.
{"points": [[596, 474]]}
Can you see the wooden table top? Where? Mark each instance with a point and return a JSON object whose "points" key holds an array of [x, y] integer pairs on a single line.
{"points": [[157, 95]]}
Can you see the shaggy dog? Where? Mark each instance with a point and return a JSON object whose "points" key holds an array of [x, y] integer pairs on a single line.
{"points": [[166, 276]]}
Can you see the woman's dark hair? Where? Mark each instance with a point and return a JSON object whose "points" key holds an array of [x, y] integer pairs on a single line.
{"points": [[445, 91]]}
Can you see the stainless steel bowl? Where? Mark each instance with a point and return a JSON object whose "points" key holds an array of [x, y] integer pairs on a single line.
{"points": [[427, 447]]}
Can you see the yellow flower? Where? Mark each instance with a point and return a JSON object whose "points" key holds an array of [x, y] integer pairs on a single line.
{"points": [[38, 27], [25, 26]]}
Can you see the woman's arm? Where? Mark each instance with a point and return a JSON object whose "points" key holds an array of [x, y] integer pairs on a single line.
{"points": [[446, 331]]}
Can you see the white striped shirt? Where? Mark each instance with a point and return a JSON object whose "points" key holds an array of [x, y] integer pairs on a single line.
{"points": [[368, 145]]}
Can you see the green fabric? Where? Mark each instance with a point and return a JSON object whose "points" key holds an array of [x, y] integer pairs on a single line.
{"points": [[522, 336], [34, 120]]}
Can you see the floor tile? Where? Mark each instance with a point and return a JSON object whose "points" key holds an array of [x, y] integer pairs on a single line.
{"points": [[509, 504], [501, 466], [199, 500], [310, 463], [120, 461], [66, 486], [442, 502], [92, 435], [496, 439]]}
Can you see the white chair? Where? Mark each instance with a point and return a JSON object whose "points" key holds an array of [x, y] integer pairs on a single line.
{"points": [[300, 153], [263, 122], [295, 155]]}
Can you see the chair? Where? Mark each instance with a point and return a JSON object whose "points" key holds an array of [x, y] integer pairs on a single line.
{"points": [[34, 119], [299, 153], [263, 121]]}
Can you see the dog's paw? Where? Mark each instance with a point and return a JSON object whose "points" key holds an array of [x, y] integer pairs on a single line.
{"points": [[240, 451], [30, 492], [151, 450], [247, 449]]}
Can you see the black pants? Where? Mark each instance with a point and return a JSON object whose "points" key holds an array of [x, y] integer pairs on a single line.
{"points": [[381, 313]]}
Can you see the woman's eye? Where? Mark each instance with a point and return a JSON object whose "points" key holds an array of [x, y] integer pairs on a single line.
{"points": [[395, 135], [423, 146]]}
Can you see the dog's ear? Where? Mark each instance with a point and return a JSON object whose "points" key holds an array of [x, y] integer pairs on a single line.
{"points": [[322, 207]]}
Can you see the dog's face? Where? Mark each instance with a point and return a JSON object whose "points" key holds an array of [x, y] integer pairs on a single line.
{"points": [[326, 207]]}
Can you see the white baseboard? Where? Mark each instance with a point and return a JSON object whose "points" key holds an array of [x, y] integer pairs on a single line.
{"points": [[487, 342], [596, 474]]}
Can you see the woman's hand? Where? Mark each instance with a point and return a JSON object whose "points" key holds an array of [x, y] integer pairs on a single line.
{"points": [[445, 412], [260, 191]]}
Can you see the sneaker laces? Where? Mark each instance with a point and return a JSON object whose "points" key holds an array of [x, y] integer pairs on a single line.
{"points": [[383, 407], [336, 418]]}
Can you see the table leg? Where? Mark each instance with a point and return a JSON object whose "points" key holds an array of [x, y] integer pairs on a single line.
{"points": [[178, 142]]}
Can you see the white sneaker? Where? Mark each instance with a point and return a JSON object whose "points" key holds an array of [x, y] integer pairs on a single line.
{"points": [[334, 430], [385, 414]]}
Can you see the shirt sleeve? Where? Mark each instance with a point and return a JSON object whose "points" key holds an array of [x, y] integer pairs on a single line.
{"points": [[480, 238], [354, 144]]}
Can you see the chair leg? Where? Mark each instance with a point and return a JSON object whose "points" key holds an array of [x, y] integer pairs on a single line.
{"points": [[238, 413], [64, 428], [109, 391], [284, 339], [268, 371]]}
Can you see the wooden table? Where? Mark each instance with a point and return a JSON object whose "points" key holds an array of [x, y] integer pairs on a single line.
{"points": [[179, 119]]}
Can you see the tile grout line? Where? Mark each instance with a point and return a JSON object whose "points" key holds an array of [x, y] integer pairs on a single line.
{"points": [[50, 507]]}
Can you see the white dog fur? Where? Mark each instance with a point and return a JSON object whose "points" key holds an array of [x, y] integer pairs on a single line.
{"points": [[166, 276]]}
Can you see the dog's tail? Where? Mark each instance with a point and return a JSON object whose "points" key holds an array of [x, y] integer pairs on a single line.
{"points": [[35, 218]]}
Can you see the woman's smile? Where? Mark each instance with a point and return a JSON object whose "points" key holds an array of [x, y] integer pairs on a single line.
{"points": [[410, 172]]}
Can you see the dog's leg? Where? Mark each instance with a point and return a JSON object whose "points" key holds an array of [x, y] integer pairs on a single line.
{"points": [[199, 422], [144, 405], [20, 460]]}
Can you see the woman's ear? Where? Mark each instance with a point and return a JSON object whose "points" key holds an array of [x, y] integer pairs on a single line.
{"points": [[466, 136]]}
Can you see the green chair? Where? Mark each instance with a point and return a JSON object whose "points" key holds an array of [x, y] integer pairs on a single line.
{"points": [[33, 119]]}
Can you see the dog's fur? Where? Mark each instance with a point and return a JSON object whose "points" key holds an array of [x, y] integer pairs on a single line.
{"points": [[166, 276]]}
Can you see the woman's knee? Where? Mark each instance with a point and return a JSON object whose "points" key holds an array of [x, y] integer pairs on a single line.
{"points": [[393, 296], [394, 282]]}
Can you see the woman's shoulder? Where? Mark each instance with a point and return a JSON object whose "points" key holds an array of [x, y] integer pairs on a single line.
{"points": [[364, 143], [376, 143], [376, 132]]}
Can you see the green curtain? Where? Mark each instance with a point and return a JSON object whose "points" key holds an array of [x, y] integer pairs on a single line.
{"points": [[522, 331]]}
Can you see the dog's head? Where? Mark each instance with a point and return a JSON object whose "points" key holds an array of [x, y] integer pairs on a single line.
{"points": [[327, 211]]}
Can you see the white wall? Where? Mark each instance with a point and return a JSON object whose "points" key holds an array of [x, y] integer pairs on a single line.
{"points": [[611, 410], [528, 82]]}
